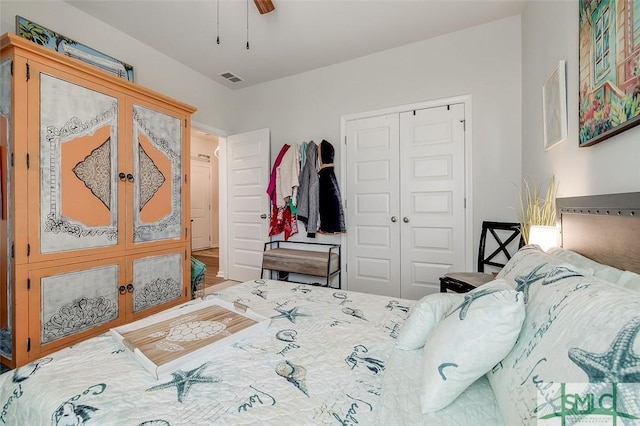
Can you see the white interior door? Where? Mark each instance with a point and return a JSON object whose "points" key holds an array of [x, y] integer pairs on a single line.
{"points": [[373, 240], [200, 204], [432, 170], [248, 171], [406, 210]]}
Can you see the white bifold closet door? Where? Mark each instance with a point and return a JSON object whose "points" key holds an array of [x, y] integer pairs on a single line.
{"points": [[405, 200]]}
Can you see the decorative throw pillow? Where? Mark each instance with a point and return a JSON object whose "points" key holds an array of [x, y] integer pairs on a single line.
{"points": [[465, 345], [577, 330], [424, 316]]}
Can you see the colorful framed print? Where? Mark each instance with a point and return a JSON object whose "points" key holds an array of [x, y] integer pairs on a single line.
{"points": [[554, 106], [55, 41], [609, 68]]}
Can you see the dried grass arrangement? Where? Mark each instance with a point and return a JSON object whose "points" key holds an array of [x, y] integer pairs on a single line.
{"points": [[537, 207]]}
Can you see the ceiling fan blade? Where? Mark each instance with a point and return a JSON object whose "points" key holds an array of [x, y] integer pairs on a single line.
{"points": [[264, 6]]}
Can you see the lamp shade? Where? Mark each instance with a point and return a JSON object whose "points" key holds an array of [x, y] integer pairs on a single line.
{"points": [[544, 236]]}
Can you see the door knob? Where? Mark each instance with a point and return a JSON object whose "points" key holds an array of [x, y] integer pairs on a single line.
{"points": [[122, 289], [263, 216], [394, 219], [405, 219], [130, 288], [122, 176], [129, 177]]}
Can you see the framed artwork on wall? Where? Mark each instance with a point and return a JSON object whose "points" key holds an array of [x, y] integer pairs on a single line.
{"points": [[554, 106], [55, 41], [609, 68]]}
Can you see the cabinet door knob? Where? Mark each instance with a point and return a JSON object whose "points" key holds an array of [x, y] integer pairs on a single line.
{"points": [[129, 177], [405, 219], [263, 216], [394, 219], [122, 176], [130, 288], [122, 289]]}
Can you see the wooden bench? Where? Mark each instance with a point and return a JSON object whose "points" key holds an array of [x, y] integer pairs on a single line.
{"points": [[316, 259]]}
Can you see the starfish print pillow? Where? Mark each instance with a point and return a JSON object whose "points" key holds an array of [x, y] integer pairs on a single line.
{"points": [[478, 333], [578, 331]]}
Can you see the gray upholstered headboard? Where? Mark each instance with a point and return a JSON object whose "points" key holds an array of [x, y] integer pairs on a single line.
{"points": [[605, 228]]}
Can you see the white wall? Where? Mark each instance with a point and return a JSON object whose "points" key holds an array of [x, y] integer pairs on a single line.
{"points": [[152, 69], [550, 33], [484, 61]]}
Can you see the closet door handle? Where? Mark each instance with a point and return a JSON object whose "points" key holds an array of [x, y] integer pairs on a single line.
{"points": [[405, 219], [122, 176], [129, 177], [394, 219]]}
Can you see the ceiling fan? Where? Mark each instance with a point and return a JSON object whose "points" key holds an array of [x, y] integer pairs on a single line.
{"points": [[264, 6]]}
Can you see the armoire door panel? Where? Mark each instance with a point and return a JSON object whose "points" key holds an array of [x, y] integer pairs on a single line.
{"points": [[156, 280], [74, 299], [78, 146], [156, 175]]}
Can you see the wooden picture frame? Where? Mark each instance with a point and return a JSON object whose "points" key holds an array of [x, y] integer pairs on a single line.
{"points": [[554, 107], [609, 69], [56, 41]]}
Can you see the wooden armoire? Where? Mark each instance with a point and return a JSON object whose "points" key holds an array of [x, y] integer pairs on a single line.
{"points": [[94, 197]]}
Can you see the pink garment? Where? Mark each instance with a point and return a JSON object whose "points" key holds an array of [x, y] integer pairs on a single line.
{"points": [[271, 188]]}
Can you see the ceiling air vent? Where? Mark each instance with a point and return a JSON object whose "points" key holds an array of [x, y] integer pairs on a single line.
{"points": [[231, 77]]}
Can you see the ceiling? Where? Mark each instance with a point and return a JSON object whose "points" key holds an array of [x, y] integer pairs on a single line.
{"points": [[298, 36]]}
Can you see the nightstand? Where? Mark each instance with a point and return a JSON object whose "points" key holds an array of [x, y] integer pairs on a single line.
{"points": [[462, 282]]}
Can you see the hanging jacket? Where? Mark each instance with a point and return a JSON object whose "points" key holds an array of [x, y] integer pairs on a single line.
{"points": [[308, 202], [331, 213]]}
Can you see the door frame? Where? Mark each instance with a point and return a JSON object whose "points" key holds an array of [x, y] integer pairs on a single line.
{"points": [[468, 181], [222, 192]]}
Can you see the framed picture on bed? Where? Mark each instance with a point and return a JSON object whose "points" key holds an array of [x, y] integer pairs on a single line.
{"points": [[554, 106], [609, 69]]}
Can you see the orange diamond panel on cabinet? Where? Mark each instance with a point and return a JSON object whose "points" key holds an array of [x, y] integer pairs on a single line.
{"points": [[93, 186]]}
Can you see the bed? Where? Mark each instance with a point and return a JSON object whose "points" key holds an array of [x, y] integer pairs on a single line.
{"points": [[332, 356]]}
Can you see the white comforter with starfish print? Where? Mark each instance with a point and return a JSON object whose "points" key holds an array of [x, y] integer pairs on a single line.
{"points": [[320, 361]]}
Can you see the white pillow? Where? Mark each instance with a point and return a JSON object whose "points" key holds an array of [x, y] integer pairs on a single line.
{"points": [[466, 344], [424, 316]]}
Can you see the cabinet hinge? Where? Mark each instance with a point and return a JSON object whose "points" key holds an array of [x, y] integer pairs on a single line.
{"points": [[345, 140], [12, 159], [414, 112], [185, 123], [13, 250], [185, 179], [448, 107], [185, 255], [28, 344], [28, 160], [28, 72], [28, 283], [12, 68], [465, 203], [464, 125], [28, 249]]}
